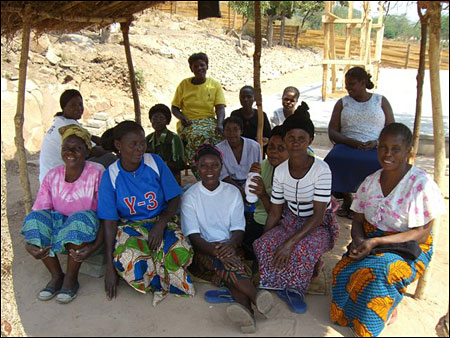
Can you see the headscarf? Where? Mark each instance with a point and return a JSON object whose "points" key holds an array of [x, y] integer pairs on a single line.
{"points": [[207, 149], [73, 129]]}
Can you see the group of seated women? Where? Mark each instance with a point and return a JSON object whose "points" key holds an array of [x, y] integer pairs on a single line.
{"points": [[156, 238]]}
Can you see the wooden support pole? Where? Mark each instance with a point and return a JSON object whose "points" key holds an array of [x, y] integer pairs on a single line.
{"points": [[420, 80], [125, 27], [348, 40], [20, 110], [408, 51], [434, 11], [257, 72], [297, 32], [326, 43]]}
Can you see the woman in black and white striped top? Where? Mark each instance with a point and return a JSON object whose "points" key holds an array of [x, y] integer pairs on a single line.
{"points": [[292, 245]]}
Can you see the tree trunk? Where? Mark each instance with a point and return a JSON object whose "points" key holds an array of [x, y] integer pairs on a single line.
{"points": [[10, 319], [283, 26], [270, 32], [125, 27], [256, 73], [434, 13], [420, 78], [20, 110]]}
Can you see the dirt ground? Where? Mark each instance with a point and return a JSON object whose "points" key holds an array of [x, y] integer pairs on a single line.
{"points": [[132, 314]]}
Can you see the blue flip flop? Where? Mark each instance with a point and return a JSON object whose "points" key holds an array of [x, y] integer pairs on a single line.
{"points": [[294, 298], [219, 296]]}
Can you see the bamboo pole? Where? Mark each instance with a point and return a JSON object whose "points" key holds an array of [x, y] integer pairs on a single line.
{"points": [[434, 12], [379, 44], [348, 40], [420, 79], [326, 42], [408, 51], [19, 117], [256, 74], [125, 27]]}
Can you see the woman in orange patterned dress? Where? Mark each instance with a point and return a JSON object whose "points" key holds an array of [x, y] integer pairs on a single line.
{"points": [[392, 241]]}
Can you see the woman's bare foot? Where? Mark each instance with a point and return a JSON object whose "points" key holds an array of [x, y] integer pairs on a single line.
{"points": [[394, 316]]}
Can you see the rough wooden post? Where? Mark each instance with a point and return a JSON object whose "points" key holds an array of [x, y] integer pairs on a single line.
{"points": [[283, 28], [420, 79], [408, 51], [175, 3], [19, 117], [297, 33], [434, 12], [10, 319], [125, 27], [326, 43], [348, 41], [256, 74]]}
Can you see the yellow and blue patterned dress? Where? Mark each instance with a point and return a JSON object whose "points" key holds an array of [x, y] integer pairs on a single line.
{"points": [[365, 292]]}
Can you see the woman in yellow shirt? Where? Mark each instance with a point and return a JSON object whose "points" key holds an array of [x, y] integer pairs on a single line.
{"points": [[199, 104]]}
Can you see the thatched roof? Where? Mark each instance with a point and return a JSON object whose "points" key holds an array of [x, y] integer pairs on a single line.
{"points": [[46, 16]]}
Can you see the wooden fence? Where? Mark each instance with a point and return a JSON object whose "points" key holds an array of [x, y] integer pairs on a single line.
{"points": [[189, 9], [394, 54]]}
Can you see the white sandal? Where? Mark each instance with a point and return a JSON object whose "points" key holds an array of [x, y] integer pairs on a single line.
{"points": [[242, 317]]}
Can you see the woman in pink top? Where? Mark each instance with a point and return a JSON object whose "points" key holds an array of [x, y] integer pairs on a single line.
{"points": [[64, 217]]}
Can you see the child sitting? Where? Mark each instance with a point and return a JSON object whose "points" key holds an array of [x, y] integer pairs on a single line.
{"points": [[165, 143], [239, 153], [249, 115], [216, 234], [289, 100]]}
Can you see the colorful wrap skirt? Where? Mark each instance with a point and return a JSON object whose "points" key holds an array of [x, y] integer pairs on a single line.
{"points": [[365, 292], [48, 228], [162, 271], [350, 166], [199, 132], [306, 253], [213, 270]]}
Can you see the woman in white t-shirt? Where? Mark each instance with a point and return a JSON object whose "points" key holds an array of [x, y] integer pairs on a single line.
{"points": [[239, 153], [71, 103], [216, 234]]}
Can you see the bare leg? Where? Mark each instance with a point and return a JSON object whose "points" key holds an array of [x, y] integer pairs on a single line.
{"points": [[54, 267], [348, 199], [72, 267], [244, 292]]}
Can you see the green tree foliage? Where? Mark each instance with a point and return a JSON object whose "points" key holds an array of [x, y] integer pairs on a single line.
{"points": [[444, 27], [399, 27]]}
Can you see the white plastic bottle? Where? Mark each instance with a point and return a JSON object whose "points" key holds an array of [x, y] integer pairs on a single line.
{"points": [[249, 196]]}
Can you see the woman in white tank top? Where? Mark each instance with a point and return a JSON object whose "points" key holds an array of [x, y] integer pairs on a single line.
{"points": [[355, 125]]}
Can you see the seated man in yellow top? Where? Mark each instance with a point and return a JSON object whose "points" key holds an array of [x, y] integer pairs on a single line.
{"points": [[197, 102]]}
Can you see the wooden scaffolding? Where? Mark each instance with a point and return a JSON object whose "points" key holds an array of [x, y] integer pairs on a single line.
{"points": [[364, 57]]}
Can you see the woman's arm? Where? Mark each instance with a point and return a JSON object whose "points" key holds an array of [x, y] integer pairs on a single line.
{"points": [[220, 114], [155, 236], [334, 128], [388, 113], [283, 253], [110, 232], [179, 115], [419, 234], [274, 216]]}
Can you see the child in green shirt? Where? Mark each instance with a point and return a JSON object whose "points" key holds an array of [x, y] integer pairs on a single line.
{"points": [[165, 143]]}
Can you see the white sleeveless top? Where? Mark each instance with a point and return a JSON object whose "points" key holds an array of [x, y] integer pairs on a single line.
{"points": [[362, 121]]}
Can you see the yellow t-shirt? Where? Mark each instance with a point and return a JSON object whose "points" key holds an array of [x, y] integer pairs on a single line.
{"points": [[197, 101]]}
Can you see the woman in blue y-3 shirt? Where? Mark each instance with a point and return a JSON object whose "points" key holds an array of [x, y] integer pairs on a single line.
{"points": [[138, 196]]}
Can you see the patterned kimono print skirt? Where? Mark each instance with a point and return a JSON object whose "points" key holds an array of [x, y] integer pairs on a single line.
{"points": [[307, 252], [48, 228], [365, 292], [212, 269], [162, 271], [199, 132]]}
